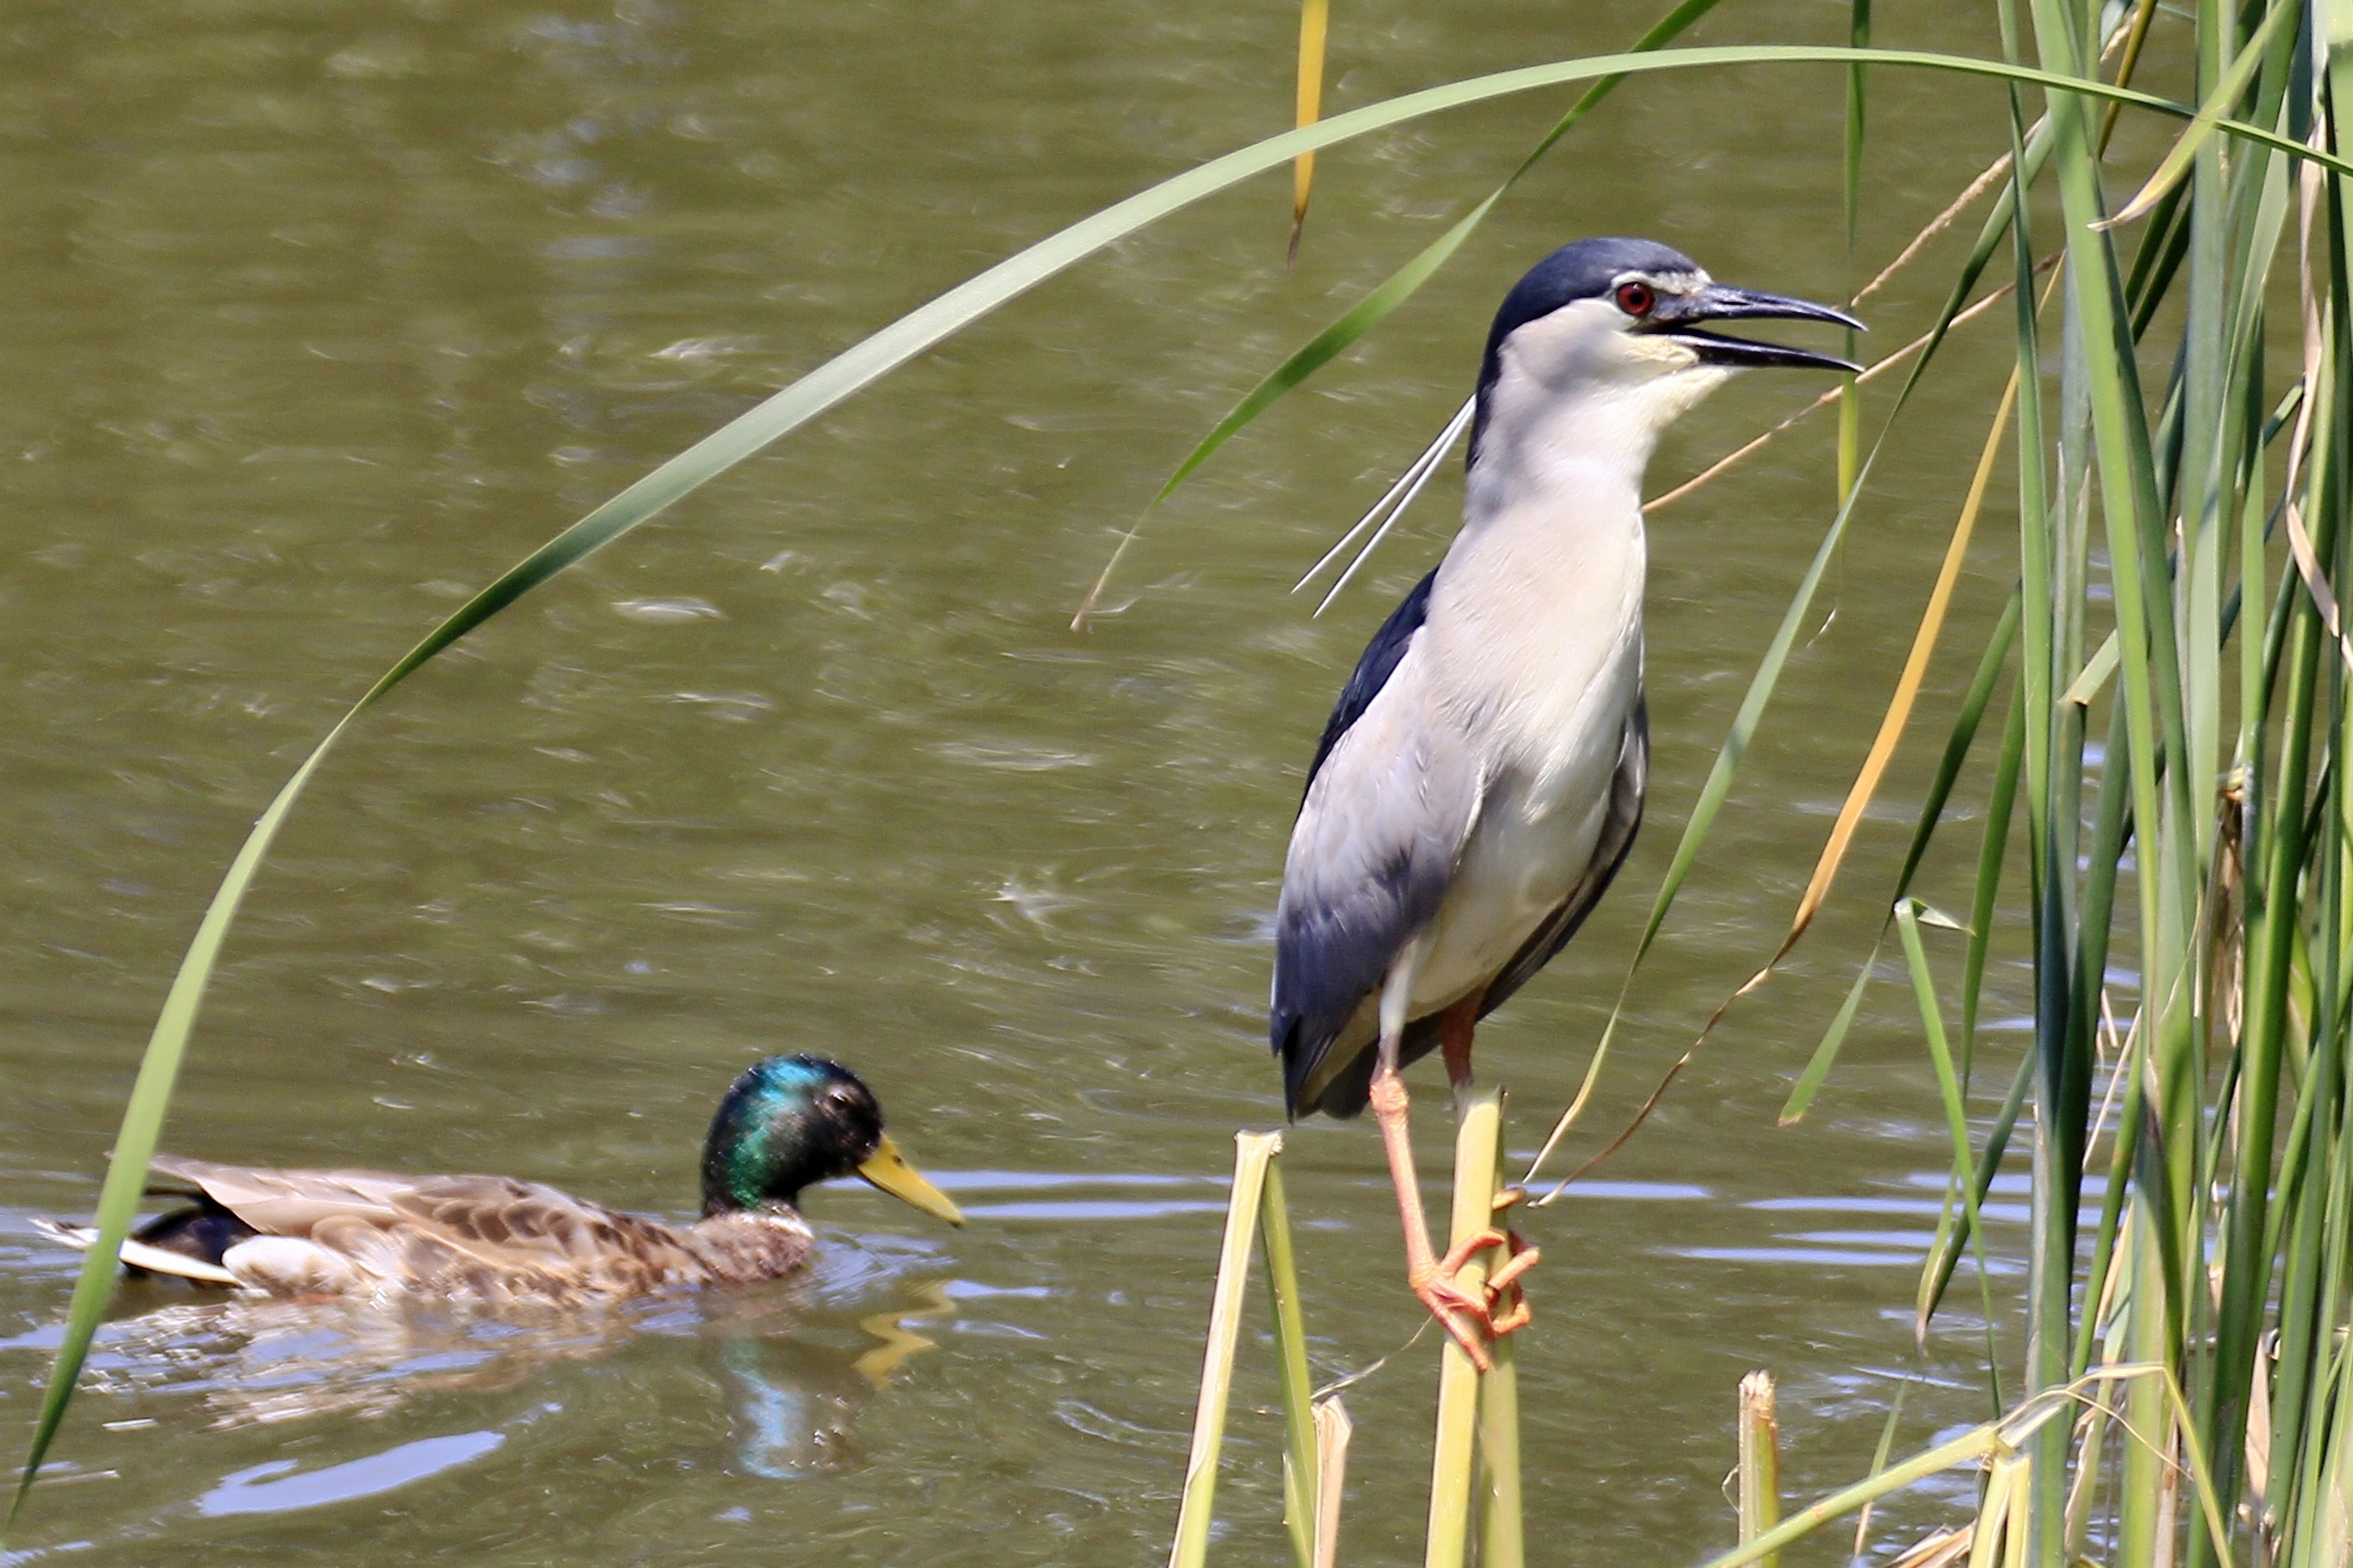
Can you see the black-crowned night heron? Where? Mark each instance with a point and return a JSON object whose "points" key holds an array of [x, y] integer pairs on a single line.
{"points": [[1480, 779]]}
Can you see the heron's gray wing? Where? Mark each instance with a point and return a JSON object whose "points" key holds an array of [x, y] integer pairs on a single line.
{"points": [[1371, 854], [1373, 668], [1628, 787], [1345, 1092]]}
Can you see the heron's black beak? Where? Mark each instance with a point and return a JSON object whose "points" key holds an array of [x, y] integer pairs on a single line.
{"points": [[1677, 316]]}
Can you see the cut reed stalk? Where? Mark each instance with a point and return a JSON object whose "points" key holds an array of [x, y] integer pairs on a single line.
{"points": [[1760, 1460], [1300, 1467], [1333, 1430], [1253, 1152], [1502, 1544], [1477, 1148], [1478, 1419]]}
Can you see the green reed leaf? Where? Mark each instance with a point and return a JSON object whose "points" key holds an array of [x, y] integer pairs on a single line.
{"points": [[2202, 129], [1956, 1117], [1300, 1469], [1825, 1056]]}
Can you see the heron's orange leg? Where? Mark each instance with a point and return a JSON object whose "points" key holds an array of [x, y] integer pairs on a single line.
{"points": [[1460, 1313], [1454, 1027]]}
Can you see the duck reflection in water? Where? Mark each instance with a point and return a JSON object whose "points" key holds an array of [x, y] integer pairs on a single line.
{"points": [[795, 1404], [794, 1375]]}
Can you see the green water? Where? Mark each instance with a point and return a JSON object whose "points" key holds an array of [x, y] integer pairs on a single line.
{"points": [[317, 317]]}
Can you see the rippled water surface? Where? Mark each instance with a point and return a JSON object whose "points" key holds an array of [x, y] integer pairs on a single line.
{"points": [[316, 316]]}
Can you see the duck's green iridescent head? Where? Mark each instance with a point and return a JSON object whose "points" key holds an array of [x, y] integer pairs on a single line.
{"points": [[792, 1121]]}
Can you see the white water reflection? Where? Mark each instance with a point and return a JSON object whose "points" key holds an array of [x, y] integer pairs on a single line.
{"points": [[269, 1488]]}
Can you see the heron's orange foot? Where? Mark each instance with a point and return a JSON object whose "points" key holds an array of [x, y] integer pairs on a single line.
{"points": [[1464, 1316], [1502, 1306], [1499, 1306]]}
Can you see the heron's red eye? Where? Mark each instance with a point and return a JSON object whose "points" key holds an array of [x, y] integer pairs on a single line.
{"points": [[1636, 298]]}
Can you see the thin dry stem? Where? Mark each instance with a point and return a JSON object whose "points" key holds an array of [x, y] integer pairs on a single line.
{"points": [[1937, 226]]}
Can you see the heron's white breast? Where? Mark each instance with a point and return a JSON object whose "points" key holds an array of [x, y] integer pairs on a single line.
{"points": [[1536, 631], [1533, 647]]}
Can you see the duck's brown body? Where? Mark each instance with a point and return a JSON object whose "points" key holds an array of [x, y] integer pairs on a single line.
{"points": [[787, 1123], [487, 1238]]}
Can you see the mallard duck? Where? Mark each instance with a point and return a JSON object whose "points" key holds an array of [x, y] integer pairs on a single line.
{"points": [[787, 1123]]}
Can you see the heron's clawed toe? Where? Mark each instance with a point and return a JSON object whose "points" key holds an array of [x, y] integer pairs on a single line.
{"points": [[1477, 1319], [1504, 1285], [1462, 1315], [1452, 1264], [1507, 1276]]}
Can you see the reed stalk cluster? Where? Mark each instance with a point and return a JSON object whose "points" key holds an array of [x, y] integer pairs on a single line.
{"points": [[1474, 1482]]}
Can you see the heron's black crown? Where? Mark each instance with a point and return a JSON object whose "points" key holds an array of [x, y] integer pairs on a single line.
{"points": [[1585, 270]]}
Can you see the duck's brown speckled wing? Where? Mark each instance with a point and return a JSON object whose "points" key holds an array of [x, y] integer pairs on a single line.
{"points": [[522, 1228], [288, 1203], [486, 1236]]}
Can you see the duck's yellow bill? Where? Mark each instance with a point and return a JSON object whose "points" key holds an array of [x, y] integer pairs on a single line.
{"points": [[888, 1169]]}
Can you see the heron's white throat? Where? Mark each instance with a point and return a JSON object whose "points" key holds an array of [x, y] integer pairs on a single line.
{"points": [[1577, 406]]}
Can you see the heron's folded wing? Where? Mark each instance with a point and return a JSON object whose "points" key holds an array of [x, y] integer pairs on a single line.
{"points": [[1374, 666], [1375, 848]]}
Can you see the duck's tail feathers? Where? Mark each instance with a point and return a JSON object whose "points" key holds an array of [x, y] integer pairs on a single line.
{"points": [[138, 1253]]}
